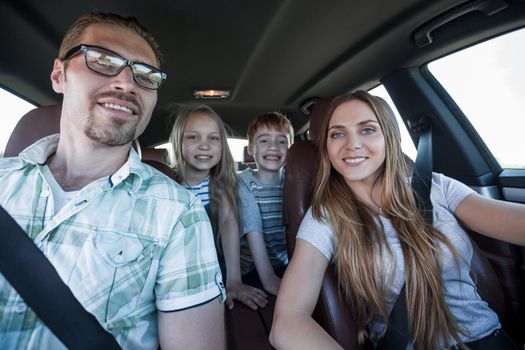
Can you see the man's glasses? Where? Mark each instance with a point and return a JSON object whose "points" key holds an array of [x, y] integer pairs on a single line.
{"points": [[110, 64]]}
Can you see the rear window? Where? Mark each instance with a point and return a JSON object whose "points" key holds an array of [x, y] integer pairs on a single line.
{"points": [[487, 81]]}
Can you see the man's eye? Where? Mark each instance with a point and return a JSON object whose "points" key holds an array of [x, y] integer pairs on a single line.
{"points": [[144, 79], [107, 61]]}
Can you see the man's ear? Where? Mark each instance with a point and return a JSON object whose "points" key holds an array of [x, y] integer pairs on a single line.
{"points": [[58, 76], [249, 149]]}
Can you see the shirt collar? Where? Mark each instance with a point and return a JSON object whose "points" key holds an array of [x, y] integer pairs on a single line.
{"points": [[41, 150]]}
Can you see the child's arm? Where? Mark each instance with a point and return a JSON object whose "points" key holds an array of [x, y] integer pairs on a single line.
{"points": [[263, 266], [229, 233]]}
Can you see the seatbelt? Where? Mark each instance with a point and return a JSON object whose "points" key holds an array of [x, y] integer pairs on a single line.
{"points": [[32, 275], [398, 334]]}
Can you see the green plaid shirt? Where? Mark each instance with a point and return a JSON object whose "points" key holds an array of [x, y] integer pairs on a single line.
{"points": [[127, 245]]}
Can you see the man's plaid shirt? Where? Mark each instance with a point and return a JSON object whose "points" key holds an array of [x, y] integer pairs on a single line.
{"points": [[127, 245]]}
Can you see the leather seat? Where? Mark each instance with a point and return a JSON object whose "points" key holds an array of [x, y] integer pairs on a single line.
{"points": [[332, 312], [247, 160], [45, 120]]}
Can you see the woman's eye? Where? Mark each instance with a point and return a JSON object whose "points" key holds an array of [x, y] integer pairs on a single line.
{"points": [[336, 135], [191, 137], [215, 138], [368, 131]]}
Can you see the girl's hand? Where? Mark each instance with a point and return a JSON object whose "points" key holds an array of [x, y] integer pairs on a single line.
{"points": [[250, 296], [271, 284]]}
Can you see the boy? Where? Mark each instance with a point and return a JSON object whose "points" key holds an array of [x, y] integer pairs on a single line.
{"points": [[263, 247]]}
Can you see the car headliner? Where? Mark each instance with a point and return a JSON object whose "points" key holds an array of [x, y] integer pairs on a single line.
{"points": [[273, 55]]}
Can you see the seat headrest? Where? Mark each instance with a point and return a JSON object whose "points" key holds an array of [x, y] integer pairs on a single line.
{"points": [[246, 157], [156, 154], [319, 113], [35, 124]]}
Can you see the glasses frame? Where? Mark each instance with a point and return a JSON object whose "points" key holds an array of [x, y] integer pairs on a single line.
{"points": [[84, 48]]}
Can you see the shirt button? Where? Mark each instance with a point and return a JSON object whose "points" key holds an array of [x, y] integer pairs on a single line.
{"points": [[20, 308], [45, 193]]}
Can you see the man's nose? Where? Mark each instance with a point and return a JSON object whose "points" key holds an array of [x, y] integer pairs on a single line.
{"points": [[124, 81]]}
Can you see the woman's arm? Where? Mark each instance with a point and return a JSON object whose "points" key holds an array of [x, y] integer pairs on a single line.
{"points": [[493, 218], [293, 326], [230, 238]]}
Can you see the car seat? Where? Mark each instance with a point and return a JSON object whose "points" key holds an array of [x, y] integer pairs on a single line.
{"points": [[332, 312]]}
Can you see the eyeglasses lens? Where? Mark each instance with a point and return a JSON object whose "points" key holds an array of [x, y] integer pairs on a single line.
{"points": [[110, 64]]}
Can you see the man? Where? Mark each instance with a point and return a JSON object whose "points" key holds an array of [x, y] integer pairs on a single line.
{"points": [[135, 248]]}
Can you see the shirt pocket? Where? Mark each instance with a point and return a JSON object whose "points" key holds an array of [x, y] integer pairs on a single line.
{"points": [[113, 270]]}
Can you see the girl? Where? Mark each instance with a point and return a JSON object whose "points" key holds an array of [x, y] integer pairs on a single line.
{"points": [[364, 217], [204, 164]]}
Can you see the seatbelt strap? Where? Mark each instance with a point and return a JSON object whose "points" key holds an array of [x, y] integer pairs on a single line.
{"points": [[398, 335], [36, 280], [422, 177]]}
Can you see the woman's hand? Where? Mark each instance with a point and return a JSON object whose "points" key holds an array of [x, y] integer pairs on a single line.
{"points": [[252, 297]]}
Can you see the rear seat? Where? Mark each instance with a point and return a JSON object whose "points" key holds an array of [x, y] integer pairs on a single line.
{"points": [[248, 161], [249, 329]]}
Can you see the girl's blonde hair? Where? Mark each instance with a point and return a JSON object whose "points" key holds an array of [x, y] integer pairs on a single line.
{"points": [[360, 240], [223, 176]]}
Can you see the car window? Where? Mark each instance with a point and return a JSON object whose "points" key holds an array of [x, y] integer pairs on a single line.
{"points": [[487, 82], [13, 109], [406, 142]]}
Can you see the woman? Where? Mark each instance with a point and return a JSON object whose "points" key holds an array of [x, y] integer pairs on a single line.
{"points": [[365, 219]]}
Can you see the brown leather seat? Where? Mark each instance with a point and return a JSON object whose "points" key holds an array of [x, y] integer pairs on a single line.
{"points": [[156, 154], [44, 121], [332, 312], [34, 125]]}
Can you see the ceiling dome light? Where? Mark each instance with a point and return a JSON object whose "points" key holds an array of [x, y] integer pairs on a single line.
{"points": [[214, 94]]}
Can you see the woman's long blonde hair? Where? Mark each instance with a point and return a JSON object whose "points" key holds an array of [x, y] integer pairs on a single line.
{"points": [[360, 240], [223, 176]]}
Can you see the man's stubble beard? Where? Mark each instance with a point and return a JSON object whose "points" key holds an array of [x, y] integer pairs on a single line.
{"points": [[116, 134]]}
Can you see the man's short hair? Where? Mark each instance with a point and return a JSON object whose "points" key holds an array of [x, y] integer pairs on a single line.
{"points": [[75, 31], [275, 120]]}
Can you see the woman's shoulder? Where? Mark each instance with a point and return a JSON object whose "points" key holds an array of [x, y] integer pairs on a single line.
{"points": [[449, 190], [318, 233]]}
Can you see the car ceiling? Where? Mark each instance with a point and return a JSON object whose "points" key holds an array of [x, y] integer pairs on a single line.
{"points": [[272, 54]]}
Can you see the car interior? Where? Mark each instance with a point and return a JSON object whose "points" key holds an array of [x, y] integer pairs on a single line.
{"points": [[294, 56]]}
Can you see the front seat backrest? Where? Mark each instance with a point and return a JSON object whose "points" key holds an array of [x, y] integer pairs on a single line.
{"points": [[302, 161], [35, 124]]}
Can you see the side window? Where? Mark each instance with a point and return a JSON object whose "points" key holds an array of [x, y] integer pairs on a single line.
{"points": [[406, 142], [487, 81], [13, 109]]}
